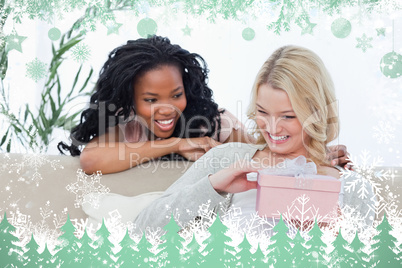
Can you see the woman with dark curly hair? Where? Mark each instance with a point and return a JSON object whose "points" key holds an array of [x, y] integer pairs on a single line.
{"points": [[151, 100]]}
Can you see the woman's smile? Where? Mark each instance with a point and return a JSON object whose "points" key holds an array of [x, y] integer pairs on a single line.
{"points": [[278, 139], [166, 125]]}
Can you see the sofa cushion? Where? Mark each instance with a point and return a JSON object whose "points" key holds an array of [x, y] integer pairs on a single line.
{"points": [[120, 207]]}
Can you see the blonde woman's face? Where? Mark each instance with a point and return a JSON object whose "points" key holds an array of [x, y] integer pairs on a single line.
{"points": [[278, 123]]}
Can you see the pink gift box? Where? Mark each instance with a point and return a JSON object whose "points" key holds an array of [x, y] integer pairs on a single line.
{"points": [[275, 195]]}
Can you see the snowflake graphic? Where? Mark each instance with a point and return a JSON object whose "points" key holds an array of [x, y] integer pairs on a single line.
{"points": [[258, 229], [154, 237], [233, 217], [384, 132], [396, 223], [36, 70], [46, 234], [116, 227], [81, 53], [207, 214], [301, 215], [87, 189], [350, 221], [387, 205], [82, 225], [364, 42], [367, 176], [43, 233], [204, 219], [164, 255], [34, 162], [380, 181]]}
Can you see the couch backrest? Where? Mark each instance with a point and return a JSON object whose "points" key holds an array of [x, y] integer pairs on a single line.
{"points": [[32, 181]]}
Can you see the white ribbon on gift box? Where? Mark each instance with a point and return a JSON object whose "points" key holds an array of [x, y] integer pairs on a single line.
{"points": [[304, 183], [298, 168]]}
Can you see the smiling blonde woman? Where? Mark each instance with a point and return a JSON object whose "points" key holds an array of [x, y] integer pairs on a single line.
{"points": [[302, 75]]}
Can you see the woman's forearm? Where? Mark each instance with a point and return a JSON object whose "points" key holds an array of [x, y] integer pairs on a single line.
{"points": [[110, 157]]}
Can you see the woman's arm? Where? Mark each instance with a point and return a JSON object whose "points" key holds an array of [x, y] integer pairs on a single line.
{"points": [[111, 157], [109, 154], [183, 198], [209, 180], [233, 179]]}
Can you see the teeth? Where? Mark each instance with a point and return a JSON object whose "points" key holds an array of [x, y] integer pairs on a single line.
{"points": [[278, 138], [165, 122]]}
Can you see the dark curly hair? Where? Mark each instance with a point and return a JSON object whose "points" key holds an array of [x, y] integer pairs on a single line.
{"points": [[114, 90]]}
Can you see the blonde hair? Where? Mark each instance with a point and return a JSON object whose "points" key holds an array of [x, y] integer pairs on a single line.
{"points": [[302, 74]]}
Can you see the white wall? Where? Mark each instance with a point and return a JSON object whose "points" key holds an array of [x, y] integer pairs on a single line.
{"points": [[367, 99]]}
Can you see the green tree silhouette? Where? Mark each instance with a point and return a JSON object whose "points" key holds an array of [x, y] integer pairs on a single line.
{"points": [[316, 248], [125, 257], [244, 254], [400, 253], [169, 253], [217, 251], [46, 258], [67, 255], [358, 258], [259, 258], [384, 252], [144, 257], [10, 253], [299, 251], [340, 256], [279, 250], [193, 256], [32, 255], [86, 251], [104, 248]]}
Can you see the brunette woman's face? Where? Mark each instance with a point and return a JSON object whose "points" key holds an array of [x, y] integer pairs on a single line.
{"points": [[159, 99]]}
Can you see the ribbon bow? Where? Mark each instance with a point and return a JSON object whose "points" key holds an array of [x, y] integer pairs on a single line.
{"points": [[297, 167]]}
